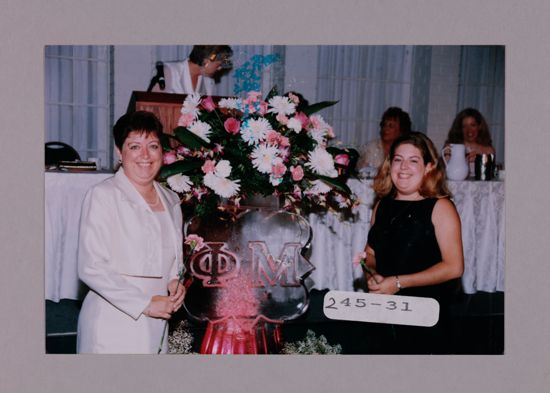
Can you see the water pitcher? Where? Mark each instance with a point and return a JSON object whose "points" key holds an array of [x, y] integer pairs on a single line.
{"points": [[457, 165]]}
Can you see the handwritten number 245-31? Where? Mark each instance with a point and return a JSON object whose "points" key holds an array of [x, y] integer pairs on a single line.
{"points": [[360, 303]]}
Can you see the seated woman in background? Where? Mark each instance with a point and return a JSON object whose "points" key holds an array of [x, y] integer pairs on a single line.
{"points": [[130, 248], [198, 74], [414, 244], [470, 128], [395, 122]]}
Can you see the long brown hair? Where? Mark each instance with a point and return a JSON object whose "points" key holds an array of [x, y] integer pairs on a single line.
{"points": [[434, 184], [456, 135]]}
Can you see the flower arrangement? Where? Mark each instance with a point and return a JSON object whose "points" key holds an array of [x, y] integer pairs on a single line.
{"points": [[226, 150]]}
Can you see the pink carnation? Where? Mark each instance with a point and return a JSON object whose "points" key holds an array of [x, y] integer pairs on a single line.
{"points": [[232, 125], [342, 159], [263, 108], [297, 173], [283, 141], [294, 98], [208, 104], [362, 256], [184, 151], [209, 166], [169, 158], [281, 118], [297, 193], [185, 119], [273, 137], [303, 118], [195, 242]]}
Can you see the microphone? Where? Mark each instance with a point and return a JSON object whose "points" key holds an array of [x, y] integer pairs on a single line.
{"points": [[160, 74]]}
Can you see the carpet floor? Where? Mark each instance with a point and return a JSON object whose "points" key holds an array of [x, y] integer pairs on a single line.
{"points": [[477, 326]]}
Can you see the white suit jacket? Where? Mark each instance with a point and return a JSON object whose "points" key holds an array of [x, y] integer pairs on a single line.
{"points": [[178, 80], [119, 237]]}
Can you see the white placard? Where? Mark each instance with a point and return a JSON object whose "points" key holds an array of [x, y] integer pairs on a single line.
{"points": [[369, 307]]}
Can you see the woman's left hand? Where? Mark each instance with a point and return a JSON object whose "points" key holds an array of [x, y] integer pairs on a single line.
{"points": [[382, 285], [176, 290]]}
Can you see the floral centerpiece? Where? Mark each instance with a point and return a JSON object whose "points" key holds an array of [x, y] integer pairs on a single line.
{"points": [[224, 151]]}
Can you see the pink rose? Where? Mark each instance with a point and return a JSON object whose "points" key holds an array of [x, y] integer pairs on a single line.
{"points": [[208, 166], [342, 159], [232, 125], [278, 170], [297, 173], [169, 158], [185, 120], [281, 118], [208, 104]]}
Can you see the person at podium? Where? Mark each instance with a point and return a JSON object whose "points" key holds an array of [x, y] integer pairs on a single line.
{"points": [[197, 74]]}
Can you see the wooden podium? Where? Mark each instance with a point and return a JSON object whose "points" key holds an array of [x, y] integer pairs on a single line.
{"points": [[166, 106]]}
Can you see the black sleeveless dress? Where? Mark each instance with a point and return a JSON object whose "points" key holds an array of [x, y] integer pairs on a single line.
{"points": [[404, 242]]}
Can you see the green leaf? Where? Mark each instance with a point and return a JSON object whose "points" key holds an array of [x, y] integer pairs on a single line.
{"points": [[309, 110], [165, 141], [189, 139], [184, 167], [335, 183]]}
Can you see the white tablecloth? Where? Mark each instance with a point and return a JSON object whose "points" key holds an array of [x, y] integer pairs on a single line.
{"points": [[481, 209], [64, 193], [335, 242]]}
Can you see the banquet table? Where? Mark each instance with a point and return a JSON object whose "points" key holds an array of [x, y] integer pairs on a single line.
{"points": [[63, 197], [335, 241]]}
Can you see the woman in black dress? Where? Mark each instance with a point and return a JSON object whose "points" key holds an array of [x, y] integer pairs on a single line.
{"points": [[415, 242]]}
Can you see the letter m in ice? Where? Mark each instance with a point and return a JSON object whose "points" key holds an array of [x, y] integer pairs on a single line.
{"points": [[286, 270]]}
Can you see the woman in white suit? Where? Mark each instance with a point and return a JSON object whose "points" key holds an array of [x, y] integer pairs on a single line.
{"points": [[198, 74], [130, 248]]}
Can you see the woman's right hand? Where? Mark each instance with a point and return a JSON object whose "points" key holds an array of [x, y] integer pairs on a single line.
{"points": [[160, 307]]}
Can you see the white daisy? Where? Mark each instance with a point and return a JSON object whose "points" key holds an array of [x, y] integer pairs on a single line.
{"points": [[190, 105], [179, 183], [255, 130], [201, 129], [230, 103], [223, 169], [263, 157], [280, 104], [318, 187], [322, 163], [224, 187]]}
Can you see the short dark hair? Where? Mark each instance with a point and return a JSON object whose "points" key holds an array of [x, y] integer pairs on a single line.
{"points": [[200, 53], [141, 121], [394, 112]]}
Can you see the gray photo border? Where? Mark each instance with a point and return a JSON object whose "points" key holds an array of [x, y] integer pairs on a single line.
{"points": [[28, 25]]}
